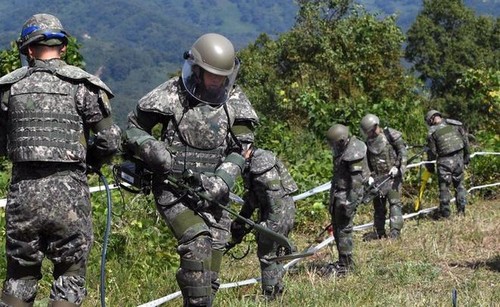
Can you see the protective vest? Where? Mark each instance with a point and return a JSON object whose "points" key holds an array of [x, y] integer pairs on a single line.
{"points": [[198, 137], [262, 164], [448, 138], [381, 153], [352, 160], [43, 122]]}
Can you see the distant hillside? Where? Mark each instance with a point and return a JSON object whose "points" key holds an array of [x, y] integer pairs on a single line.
{"points": [[135, 44]]}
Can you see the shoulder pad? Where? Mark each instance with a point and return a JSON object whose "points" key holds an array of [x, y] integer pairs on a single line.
{"points": [[393, 134], [241, 106], [14, 76], [453, 122], [163, 99], [76, 73], [355, 150], [262, 161]]}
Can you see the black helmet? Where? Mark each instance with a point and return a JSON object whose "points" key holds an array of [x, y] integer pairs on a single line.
{"points": [[215, 54], [43, 29]]}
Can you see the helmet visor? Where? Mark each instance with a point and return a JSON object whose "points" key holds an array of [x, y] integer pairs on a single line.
{"points": [[207, 87]]}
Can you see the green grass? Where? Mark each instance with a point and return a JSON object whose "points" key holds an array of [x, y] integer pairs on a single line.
{"points": [[422, 269]]}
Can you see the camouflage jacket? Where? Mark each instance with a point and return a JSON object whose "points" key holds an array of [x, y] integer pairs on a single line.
{"points": [[199, 136], [350, 170], [446, 138], [267, 181], [386, 150], [48, 110]]}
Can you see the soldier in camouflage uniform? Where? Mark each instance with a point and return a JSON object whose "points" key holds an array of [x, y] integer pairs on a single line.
{"points": [[350, 174], [387, 156], [207, 124], [48, 111], [269, 187], [448, 144]]}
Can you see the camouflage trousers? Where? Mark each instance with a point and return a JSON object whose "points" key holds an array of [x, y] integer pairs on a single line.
{"points": [[450, 170], [391, 193], [48, 214], [342, 213], [280, 220], [201, 239]]}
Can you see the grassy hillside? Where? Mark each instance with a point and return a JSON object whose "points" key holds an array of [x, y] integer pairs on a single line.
{"points": [[432, 259]]}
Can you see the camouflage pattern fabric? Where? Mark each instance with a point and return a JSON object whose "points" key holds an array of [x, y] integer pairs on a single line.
{"points": [[48, 214], [385, 151], [269, 186], [48, 208], [448, 144], [350, 172], [201, 138], [450, 170]]}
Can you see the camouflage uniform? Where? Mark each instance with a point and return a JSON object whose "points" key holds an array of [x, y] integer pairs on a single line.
{"points": [[204, 139], [448, 144], [47, 112], [269, 185], [350, 172], [385, 151]]}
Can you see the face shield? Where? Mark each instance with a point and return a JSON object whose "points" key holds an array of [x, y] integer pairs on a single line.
{"points": [[205, 86]]}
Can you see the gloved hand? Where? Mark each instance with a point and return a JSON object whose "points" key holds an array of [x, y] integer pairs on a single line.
{"points": [[238, 231], [371, 181], [393, 171], [156, 156], [209, 188]]}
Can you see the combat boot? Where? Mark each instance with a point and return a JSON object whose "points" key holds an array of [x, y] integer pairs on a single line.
{"points": [[273, 292], [340, 268], [373, 235], [394, 234], [461, 210]]}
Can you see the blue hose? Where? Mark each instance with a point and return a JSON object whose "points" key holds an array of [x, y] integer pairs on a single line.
{"points": [[105, 241]]}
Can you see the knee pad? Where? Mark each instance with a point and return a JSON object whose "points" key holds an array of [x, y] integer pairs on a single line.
{"points": [[194, 275]]}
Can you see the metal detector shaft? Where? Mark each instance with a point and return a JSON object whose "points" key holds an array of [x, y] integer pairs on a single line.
{"points": [[276, 237]]}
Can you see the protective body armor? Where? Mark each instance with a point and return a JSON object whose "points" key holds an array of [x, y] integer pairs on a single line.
{"points": [[447, 137], [350, 161], [263, 161], [381, 152], [44, 124], [198, 137]]}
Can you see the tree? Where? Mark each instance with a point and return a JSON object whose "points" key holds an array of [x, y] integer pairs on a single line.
{"points": [[10, 59], [447, 40], [337, 63]]}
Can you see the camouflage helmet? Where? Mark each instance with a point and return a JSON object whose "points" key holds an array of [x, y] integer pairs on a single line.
{"points": [[368, 123], [215, 54], [337, 134], [430, 115], [44, 29]]}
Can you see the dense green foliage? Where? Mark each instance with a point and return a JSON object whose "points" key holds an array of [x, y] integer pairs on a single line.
{"points": [[134, 45], [445, 42]]}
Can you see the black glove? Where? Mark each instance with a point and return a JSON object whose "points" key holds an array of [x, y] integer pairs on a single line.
{"points": [[156, 156], [238, 231]]}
